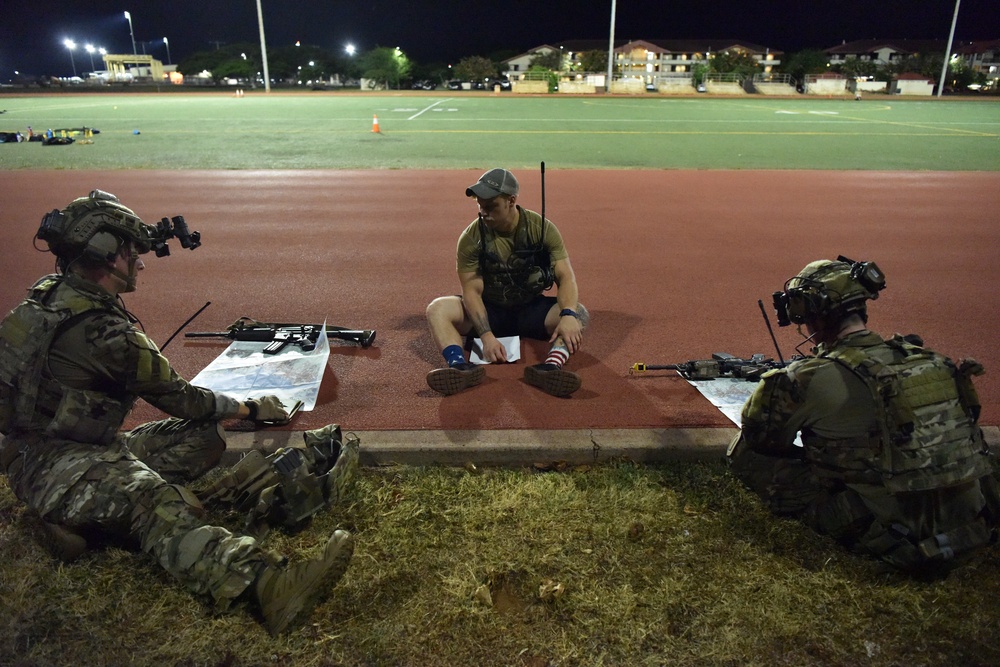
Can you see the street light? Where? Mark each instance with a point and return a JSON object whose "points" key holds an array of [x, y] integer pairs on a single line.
{"points": [[947, 55], [90, 50], [167, 42], [350, 49], [70, 44], [130, 33], [611, 48]]}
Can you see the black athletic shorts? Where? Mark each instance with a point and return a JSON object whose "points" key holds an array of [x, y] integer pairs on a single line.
{"points": [[527, 320]]}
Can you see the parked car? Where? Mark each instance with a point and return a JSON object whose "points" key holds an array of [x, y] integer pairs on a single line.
{"points": [[454, 84], [423, 85], [504, 83]]}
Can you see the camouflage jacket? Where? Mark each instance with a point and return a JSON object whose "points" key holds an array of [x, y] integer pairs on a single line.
{"points": [[848, 403], [72, 365]]}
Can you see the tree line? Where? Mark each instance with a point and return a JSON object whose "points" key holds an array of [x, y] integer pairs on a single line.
{"points": [[392, 68]]}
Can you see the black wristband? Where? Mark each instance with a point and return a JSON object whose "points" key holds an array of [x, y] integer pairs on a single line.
{"points": [[569, 311], [252, 407]]}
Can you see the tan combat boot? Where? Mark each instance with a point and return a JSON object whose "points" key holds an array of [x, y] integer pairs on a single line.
{"points": [[341, 477], [62, 542], [287, 595]]}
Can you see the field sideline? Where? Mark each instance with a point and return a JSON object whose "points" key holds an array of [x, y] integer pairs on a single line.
{"points": [[321, 131]]}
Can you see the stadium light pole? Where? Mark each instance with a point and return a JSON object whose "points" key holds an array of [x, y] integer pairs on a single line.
{"points": [[263, 49], [131, 34], [611, 49], [90, 50], [947, 53], [70, 44], [167, 42]]}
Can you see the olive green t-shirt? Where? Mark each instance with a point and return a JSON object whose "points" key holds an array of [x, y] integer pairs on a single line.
{"points": [[502, 244]]}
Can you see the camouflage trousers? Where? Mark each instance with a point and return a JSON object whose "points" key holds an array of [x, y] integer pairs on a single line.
{"points": [[927, 532], [132, 490]]}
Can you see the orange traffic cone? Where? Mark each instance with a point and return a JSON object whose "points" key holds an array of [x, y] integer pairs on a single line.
{"points": [[375, 125]]}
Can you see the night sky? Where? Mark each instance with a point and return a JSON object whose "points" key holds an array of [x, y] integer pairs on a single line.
{"points": [[32, 32]]}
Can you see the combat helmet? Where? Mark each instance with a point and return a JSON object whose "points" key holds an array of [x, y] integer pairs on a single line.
{"points": [[93, 228], [827, 288]]}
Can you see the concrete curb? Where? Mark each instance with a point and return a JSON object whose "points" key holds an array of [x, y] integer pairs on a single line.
{"points": [[519, 448], [512, 448]]}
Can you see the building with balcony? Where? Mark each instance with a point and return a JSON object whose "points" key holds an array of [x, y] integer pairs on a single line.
{"points": [[982, 57], [884, 52], [652, 61]]}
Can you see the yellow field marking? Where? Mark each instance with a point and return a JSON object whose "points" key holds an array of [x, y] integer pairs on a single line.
{"points": [[921, 126], [603, 132]]}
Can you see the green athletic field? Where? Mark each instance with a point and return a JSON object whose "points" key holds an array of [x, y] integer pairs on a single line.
{"points": [[322, 130]]}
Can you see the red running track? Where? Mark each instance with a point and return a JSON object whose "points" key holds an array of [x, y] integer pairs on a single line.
{"points": [[670, 264]]}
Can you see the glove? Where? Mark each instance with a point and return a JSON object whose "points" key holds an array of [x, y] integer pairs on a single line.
{"points": [[268, 409]]}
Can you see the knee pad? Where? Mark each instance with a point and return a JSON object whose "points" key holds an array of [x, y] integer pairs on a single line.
{"points": [[176, 496], [162, 510]]}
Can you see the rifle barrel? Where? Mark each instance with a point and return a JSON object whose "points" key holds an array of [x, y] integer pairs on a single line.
{"points": [[640, 367], [208, 334]]}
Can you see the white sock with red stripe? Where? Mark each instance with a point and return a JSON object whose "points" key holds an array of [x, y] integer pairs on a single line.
{"points": [[558, 356]]}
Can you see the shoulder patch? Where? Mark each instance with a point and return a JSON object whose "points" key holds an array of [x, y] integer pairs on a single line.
{"points": [[142, 341]]}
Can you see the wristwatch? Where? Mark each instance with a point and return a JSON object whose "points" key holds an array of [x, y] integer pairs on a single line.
{"points": [[569, 311]]}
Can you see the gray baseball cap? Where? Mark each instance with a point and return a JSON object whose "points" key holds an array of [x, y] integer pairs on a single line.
{"points": [[493, 183]]}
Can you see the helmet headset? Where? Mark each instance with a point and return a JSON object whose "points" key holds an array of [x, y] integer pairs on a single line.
{"points": [[828, 289]]}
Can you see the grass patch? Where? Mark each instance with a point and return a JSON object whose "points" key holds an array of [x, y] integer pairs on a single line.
{"points": [[611, 565]]}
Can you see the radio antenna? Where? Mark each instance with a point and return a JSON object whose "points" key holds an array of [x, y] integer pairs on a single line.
{"points": [[543, 194], [181, 328], [767, 321]]}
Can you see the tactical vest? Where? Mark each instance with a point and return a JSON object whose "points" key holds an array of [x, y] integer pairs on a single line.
{"points": [[927, 436], [289, 486], [31, 400], [527, 271]]}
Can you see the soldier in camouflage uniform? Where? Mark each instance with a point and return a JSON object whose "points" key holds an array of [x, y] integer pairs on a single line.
{"points": [[72, 365], [892, 461]]}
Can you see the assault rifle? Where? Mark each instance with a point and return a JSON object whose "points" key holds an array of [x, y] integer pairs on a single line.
{"points": [[720, 365], [278, 335], [723, 364]]}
